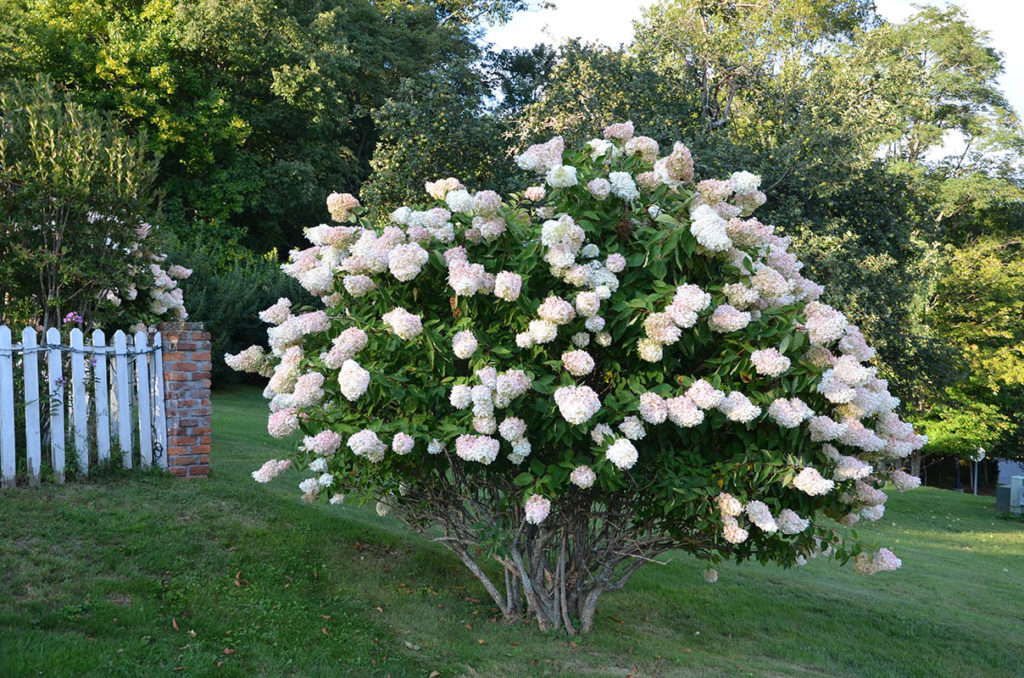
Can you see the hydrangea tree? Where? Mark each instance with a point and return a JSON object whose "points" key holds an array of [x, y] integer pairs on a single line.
{"points": [[569, 382]]}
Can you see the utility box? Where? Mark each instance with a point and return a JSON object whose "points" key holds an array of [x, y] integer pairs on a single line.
{"points": [[1010, 498]]}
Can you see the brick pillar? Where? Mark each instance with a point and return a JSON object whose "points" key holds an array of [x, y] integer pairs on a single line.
{"points": [[187, 386]]}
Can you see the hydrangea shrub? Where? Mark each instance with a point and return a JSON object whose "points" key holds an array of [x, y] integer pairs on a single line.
{"points": [[618, 362]]}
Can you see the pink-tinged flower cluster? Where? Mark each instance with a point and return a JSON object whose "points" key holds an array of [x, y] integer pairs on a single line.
{"points": [[278, 313], [323, 444], [367, 444], [406, 325], [769, 362], [645, 147], [732, 532], [252, 359], [438, 190], [632, 428], [556, 310], [676, 168], [406, 261], [537, 509], [535, 193], [341, 206], [789, 412], [402, 443], [727, 318], [577, 363], [600, 188], [308, 390], [824, 428], [728, 505], [582, 477], [791, 523], [620, 131], [508, 285], [270, 470], [577, 404], [882, 561], [344, 347], [283, 423], [653, 408], [904, 481], [737, 407], [809, 481], [483, 449], [825, 324], [683, 412], [540, 158], [704, 395]]}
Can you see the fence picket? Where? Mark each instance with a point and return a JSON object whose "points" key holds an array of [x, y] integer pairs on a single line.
{"points": [[124, 398], [8, 468], [55, 378], [99, 345], [58, 413], [145, 412], [79, 406], [33, 432], [159, 405]]}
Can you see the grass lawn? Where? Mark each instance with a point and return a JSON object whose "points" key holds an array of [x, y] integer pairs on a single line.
{"points": [[145, 575]]}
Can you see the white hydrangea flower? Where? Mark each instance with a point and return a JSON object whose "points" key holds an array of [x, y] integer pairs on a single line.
{"points": [[622, 453]]}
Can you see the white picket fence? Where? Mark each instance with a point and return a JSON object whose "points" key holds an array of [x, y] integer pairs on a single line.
{"points": [[116, 389]]}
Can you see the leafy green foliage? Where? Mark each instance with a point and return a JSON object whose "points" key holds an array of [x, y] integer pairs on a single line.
{"points": [[75, 194], [257, 108], [222, 296]]}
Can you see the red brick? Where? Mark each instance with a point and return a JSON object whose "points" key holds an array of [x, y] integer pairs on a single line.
{"points": [[201, 355], [182, 460], [204, 459], [178, 471], [201, 449], [199, 470]]}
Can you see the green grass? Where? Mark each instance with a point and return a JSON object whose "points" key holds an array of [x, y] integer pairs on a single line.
{"points": [[95, 575]]}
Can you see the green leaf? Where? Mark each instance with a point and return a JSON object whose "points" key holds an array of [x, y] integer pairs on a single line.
{"points": [[523, 479]]}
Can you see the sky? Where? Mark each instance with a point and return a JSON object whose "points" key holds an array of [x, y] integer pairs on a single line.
{"points": [[611, 22]]}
